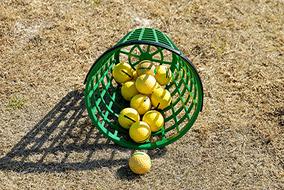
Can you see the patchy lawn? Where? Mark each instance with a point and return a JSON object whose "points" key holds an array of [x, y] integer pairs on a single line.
{"points": [[47, 48]]}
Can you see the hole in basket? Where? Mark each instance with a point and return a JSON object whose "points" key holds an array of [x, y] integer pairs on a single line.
{"points": [[181, 116], [124, 134], [175, 98], [145, 48], [182, 89], [153, 49], [109, 128], [167, 113], [106, 117], [192, 93], [191, 112], [169, 123], [99, 118], [105, 82], [111, 63], [113, 83], [188, 96], [114, 100], [155, 138], [171, 133], [113, 125], [93, 99], [167, 56], [126, 49], [93, 83], [157, 57], [156, 64], [180, 65], [177, 74], [98, 76], [123, 57], [136, 51], [181, 108], [134, 61], [171, 87]]}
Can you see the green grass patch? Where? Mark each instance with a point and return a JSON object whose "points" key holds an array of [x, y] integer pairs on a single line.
{"points": [[16, 102]]}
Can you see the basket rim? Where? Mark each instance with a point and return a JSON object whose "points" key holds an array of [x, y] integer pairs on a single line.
{"points": [[143, 42]]}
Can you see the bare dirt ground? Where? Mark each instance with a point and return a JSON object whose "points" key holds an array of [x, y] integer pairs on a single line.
{"points": [[47, 48]]}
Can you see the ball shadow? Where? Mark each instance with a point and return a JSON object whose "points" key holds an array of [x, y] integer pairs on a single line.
{"points": [[124, 173]]}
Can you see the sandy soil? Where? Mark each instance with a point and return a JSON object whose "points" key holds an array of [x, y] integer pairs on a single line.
{"points": [[47, 48]]}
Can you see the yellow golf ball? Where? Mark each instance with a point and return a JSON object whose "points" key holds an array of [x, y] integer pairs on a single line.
{"points": [[127, 117], [122, 72], [161, 98], [145, 67], [154, 119], [140, 131], [128, 90], [141, 103], [163, 75], [145, 84], [140, 163]]}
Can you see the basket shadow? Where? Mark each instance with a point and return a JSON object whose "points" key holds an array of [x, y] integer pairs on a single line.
{"points": [[63, 140]]}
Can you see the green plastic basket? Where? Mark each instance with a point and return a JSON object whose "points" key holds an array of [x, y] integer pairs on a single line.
{"points": [[104, 101]]}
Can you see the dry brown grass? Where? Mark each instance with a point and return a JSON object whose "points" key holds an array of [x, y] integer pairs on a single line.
{"points": [[47, 47]]}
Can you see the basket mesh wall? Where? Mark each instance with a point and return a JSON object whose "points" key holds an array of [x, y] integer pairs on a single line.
{"points": [[104, 101]]}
